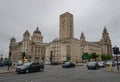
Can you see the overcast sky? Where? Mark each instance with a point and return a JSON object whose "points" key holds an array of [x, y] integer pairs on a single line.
{"points": [[90, 17]]}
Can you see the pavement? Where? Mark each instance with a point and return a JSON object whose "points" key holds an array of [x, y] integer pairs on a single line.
{"points": [[6, 70], [113, 69], [80, 64]]}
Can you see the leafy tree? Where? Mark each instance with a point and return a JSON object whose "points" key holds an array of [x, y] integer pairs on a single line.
{"points": [[85, 56], [94, 56], [1, 58], [91, 56], [105, 57], [6, 58]]}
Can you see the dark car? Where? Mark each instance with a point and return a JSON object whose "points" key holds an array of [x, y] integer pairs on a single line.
{"points": [[92, 65], [54, 63], [30, 67], [68, 65], [5, 63]]}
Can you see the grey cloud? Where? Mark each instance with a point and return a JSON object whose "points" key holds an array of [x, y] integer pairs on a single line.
{"points": [[90, 16]]}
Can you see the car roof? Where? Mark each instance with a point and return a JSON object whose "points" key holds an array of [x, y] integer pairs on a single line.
{"points": [[92, 62]]}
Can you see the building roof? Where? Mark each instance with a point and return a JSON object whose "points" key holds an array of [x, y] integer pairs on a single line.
{"points": [[37, 31], [26, 33], [66, 14]]}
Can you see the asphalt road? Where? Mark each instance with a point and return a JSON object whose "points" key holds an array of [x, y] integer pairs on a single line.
{"points": [[58, 74]]}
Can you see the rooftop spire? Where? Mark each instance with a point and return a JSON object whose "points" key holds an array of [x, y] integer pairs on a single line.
{"points": [[37, 30], [82, 37], [105, 30]]}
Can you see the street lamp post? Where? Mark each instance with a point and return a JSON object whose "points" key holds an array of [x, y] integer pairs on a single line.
{"points": [[116, 51], [23, 56], [10, 53], [9, 59]]}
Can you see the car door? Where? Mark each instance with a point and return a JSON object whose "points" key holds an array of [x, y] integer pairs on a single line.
{"points": [[37, 67], [71, 64], [33, 67]]}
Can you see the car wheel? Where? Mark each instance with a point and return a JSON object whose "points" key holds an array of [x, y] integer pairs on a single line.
{"points": [[27, 71], [68, 66], [97, 67], [41, 69]]}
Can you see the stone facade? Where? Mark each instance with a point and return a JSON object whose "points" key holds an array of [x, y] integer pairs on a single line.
{"points": [[32, 46], [59, 49], [65, 48], [66, 45]]}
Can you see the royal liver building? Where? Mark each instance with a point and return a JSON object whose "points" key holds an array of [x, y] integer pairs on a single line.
{"points": [[66, 46]]}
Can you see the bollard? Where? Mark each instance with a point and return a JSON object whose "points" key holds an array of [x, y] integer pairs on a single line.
{"points": [[8, 68], [12, 66], [110, 67]]}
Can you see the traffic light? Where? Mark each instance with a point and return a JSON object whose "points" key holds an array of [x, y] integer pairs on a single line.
{"points": [[116, 50], [23, 55]]}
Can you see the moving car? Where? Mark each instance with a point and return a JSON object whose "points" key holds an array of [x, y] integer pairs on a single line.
{"points": [[30, 67], [5, 63], [102, 64], [92, 65], [68, 65]]}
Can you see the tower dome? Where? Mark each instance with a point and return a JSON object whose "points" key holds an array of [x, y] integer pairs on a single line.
{"points": [[26, 36], [12, 41], [82, 37], [37, 31], [37, 36], [26, 33]]}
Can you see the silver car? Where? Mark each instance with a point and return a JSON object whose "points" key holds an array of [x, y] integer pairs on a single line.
{"points": [[110, 62], [102, 64]]}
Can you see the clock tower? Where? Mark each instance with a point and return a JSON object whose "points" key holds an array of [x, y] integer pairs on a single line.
{"points": [[66, 26]]}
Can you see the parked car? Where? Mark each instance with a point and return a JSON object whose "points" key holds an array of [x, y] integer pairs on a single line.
{"points": [[92, 65], [102, 64], [68, 65], [54, 63], [108, 62], [116, 62], [5, 63], [30, 67]]}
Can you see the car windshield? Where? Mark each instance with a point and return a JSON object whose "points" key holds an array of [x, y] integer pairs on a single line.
{"points": [[67, 63], [109, 61], [100, 62], [91, 63], [27, 64], [4, 61]]}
